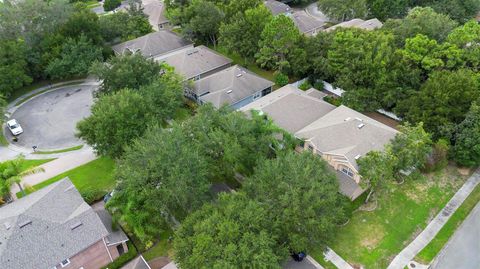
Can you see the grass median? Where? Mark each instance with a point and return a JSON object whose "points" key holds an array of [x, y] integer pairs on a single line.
{"points": [[435, 246]]}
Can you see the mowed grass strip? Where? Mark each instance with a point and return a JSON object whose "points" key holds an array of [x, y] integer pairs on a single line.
{"points": [[96, 175], [435, 246]]}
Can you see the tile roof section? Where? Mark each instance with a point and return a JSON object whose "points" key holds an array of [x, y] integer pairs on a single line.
{"points": [[306, 23], [155, 10], [276, 7], [358, 23]]}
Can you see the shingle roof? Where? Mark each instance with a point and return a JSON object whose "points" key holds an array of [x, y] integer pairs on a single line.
{"points": [[306, 23], [137, 263], [291, 108], [348, 133], [229, 86], [358, 23], [155, 10], [276, 7], [47, 227], [153, 44], [195, 61]]}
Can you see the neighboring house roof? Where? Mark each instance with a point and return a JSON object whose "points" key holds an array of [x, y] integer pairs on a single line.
{"points": [[358, 23], [290, 108], [306, 23], [277, 7], [153, 44], [171, 265], [47, 227], [229, 86], [155, 10], [347, 133], [137, 263], [195, 61], [115, 236]]}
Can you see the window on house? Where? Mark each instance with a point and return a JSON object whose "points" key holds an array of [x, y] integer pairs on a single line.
{"points": [[257, 95], [65, 263], [347, 171]]}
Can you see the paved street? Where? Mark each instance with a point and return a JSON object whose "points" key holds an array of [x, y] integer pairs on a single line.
{"points": [[463, 249], [49, 120], [313, 11]]}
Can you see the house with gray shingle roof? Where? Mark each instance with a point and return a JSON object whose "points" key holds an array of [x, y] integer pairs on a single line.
{"points": [[368, 25], [340, 135], [54, 228], [196, 63], [161, 43], [155, 11], [234, 86], [307, 24]]}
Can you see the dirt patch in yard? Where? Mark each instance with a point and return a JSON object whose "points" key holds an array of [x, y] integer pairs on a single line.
{"points": [[372, 240]]}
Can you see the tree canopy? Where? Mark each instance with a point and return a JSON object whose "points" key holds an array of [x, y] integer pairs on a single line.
{"points": [[126, 71], [467, 138]]}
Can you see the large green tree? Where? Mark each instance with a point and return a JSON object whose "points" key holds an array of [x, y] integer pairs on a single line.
{"points": [[234, 232], [162, 178], [279, 44], [110, 5], [387, 9], [376, 168], [201, 20], [300, 194], [359, 62], [411, 147], [13, 67], [421, 20], [75, 59], [443, 101], [460, 10], [467, 139], [115, 121], [241, 35], [342, 10], [126, 71], [467, 38], [124, 25]]}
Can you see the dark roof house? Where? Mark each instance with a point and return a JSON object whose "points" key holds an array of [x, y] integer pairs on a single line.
{"points": [[154, 44], [55, 228], [234, 86]]}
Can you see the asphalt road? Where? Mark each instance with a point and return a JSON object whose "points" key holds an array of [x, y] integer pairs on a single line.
{"points": [[49, 120], [463, 249]]}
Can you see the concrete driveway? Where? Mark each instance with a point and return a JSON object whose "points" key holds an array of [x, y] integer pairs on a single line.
{"points": [[463, 249], [49, 120]]}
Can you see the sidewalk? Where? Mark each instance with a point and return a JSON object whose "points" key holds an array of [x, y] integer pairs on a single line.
{"points": [[408, 253], [56, 167], [338, 261]]}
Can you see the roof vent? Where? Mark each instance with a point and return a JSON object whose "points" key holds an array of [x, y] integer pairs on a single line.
{"points": [[358, 157], [25, 223], [359, 119], [76, 225], [229, 91], [7, 225], [239, 75], [347, 119], [361, 125]]}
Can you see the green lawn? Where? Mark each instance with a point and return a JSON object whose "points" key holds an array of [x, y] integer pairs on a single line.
{"points": [[372, 239], [247, 64], [160, 249], [434, 247], [60, 150], [96, 175], [3, 140], [28, 164]]}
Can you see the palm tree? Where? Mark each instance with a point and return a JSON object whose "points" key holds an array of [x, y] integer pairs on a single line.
{"points": [[12, 172]]}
